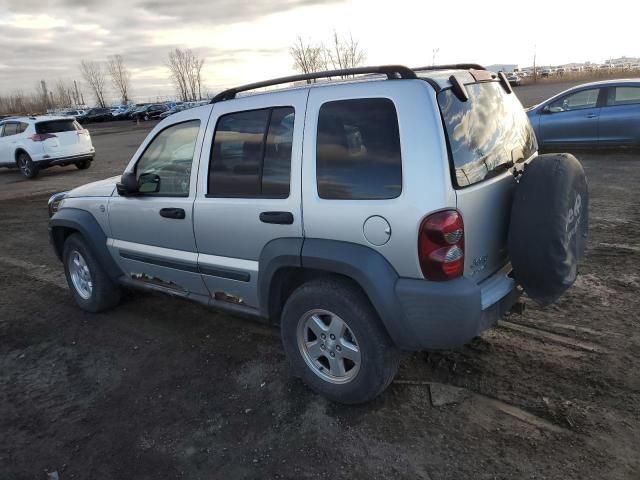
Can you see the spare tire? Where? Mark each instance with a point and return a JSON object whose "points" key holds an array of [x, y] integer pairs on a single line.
{"points": [[549, 225]]}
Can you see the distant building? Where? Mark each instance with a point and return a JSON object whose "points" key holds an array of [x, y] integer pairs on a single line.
{"points": [[622, 61]]}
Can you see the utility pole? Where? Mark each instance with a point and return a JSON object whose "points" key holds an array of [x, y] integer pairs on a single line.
{"points": [[535, 70], [45, 97], [433, 57], [75, 85]]}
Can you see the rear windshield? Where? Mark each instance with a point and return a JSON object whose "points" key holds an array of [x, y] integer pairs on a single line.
{"points": [[57, 126], [487, 133]]}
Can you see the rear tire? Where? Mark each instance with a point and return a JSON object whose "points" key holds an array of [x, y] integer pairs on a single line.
{"points": [[27, 167], [355, 360], [83, 164], [90, 286]]}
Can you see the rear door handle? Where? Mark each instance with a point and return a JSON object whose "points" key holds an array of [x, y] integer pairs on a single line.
{"points": [[592, 115], [283, 218], [177, 213]]}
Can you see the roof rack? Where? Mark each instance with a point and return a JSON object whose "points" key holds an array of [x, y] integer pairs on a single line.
{"points": [[391, 71], [452, 66]]}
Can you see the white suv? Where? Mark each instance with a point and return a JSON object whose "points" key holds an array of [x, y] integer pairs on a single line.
{"points": [[35, 143]]}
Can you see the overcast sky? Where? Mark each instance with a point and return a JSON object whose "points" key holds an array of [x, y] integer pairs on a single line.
{"points": [[247, 40]]}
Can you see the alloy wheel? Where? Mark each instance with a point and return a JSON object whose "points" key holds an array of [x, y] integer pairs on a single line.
{"points": [[80, 275], [328, 346]]}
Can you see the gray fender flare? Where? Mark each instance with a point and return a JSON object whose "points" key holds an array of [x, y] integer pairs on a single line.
{"points": [[85, 224], [368, 268]]}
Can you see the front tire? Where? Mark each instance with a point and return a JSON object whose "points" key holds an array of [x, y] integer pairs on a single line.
{"points": [[90, 286], [336, 343], [28, 169]]}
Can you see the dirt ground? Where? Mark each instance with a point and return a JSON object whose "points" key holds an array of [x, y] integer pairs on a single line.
{"points": [[160, 388]]}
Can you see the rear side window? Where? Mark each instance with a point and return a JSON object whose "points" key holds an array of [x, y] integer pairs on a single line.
{"points": [[22, 127], [358, 150], [487, 134], [251, 154], [623, 96], [10, 129], [56, 126]]}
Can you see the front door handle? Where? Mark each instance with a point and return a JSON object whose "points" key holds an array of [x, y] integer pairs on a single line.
{"points": [[282, 218], [177, 213], [592, 115]]}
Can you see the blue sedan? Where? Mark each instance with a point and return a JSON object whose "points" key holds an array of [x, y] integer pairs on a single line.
{"points": [[603, 114]]}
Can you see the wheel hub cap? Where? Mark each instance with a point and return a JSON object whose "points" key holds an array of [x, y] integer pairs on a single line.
{"points": [[328, 346], [80, 275]]}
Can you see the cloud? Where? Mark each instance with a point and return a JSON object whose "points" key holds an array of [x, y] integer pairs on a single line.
{"points": [[50, 45]]}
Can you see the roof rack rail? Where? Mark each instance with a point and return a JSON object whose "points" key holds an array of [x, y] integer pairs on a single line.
{"points": [[452, 66], [391, 71]]}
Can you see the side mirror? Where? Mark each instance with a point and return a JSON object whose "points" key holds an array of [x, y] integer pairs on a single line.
{"points": [[128, 184], [545, 109], [148, 183]]}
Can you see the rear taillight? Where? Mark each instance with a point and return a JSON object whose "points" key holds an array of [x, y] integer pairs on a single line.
{"points": [[441, 246], [41, 137], [82, 131]]}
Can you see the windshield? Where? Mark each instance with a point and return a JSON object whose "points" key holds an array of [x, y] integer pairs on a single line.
{"points": [[487, 134]]}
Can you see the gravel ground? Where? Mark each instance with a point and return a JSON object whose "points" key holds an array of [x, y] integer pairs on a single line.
{"points": [[160, 388]]}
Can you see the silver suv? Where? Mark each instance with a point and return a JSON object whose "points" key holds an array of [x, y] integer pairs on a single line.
{"points": [[366, 215]]}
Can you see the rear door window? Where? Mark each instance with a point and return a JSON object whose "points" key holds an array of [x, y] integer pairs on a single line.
{"points": [[251, 154], [487, 134], [623, 96], [358, 150]]}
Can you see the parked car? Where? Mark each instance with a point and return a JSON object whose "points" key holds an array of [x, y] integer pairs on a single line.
{"points": [[175, 109], [119, 110], [35, 143], [514, 80], [74, 113], [149, 112], [603, 114], [124, 113], [407, 240], [94, 115]]}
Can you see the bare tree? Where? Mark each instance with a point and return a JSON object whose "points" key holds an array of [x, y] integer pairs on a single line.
{"points": [[94, 75], [63, 95], [308, 57], [345, 52], [19, 103], [120, 76], [185, 69]]}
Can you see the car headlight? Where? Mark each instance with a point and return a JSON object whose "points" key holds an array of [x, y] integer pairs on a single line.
{"points": [[55, 201]]}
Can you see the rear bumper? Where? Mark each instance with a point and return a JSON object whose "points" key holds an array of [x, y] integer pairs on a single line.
{"points": [[438, 315], [50, 162]]}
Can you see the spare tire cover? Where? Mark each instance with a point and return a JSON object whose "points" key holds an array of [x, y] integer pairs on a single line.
{"points": [[549, 224]]}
